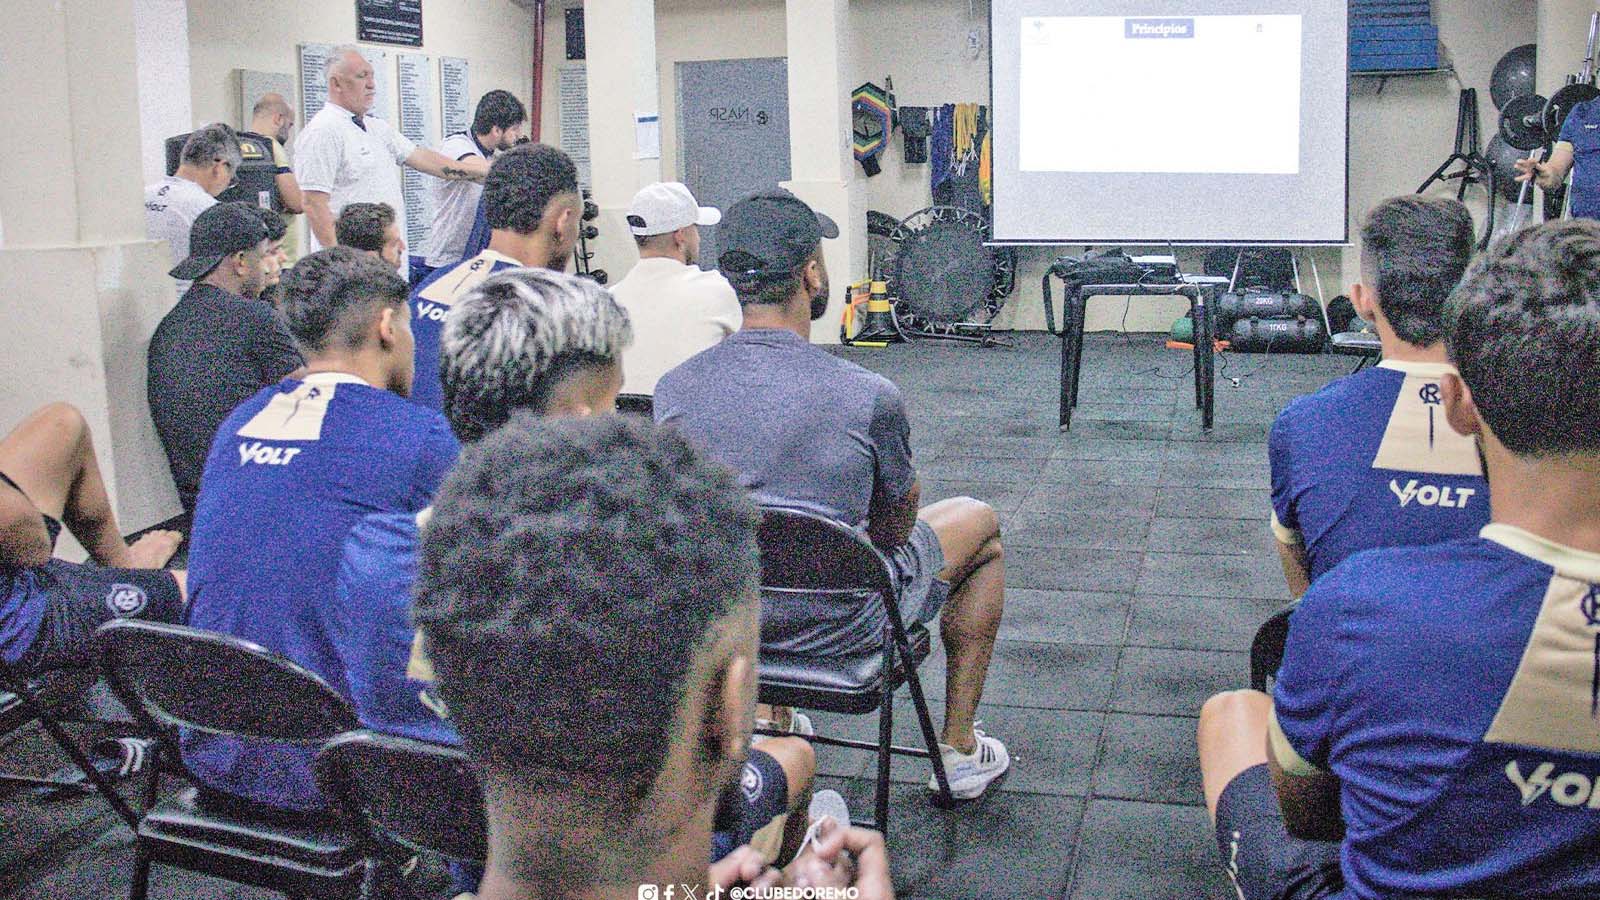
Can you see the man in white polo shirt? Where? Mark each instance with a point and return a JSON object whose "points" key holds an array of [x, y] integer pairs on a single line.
{"points": [[677, 308], [345, 156], [206, 167]]}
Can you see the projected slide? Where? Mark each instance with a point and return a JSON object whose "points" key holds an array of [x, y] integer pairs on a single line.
{"points": [[1216, 94]]}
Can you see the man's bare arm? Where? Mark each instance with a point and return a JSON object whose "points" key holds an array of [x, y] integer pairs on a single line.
{"points": [[1308, 797], [1296, 568], [473, 168], [289, 193], [320, 217], [889, 521]]}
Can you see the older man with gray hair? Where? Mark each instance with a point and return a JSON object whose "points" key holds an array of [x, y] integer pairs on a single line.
{"points": [[345, 156], [206, 166]]}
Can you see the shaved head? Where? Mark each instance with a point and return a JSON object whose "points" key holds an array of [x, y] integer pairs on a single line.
{"points": [[271, 103]]}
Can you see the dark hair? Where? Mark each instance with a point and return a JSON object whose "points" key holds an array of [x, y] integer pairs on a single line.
{"points": [[521, 183], [361, 225], [332, 295], [1523, 329], [571, 574], [498, 109], [211, 144], [508, 343], [1416, 249], [276, 227], [772, 290]]}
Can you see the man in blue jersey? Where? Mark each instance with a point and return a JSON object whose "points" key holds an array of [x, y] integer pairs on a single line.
{"points": [[1576, 153], [533, 206], [537, 343], [290, 472], [1368, 461], [1433, 731]]}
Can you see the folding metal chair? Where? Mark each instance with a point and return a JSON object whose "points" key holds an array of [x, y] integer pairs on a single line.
{"points": [[424, 797], [1266, 649], [172, 677], [636, 404], [804, 553], [37, 698]]}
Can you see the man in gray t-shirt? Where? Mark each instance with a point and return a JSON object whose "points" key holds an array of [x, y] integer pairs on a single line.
{"points": [[808, 430]]}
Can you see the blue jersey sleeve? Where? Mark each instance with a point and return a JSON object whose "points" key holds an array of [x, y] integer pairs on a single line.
{"points": [[1284, 489], [1305, 698], [1569, 127]]}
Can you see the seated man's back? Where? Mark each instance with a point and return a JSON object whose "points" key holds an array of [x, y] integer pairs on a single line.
{"points": [[293, 469], [1369, 461], [1451, 689]]}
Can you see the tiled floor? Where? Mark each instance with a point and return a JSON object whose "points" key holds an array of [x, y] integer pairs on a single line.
{"points": [[1139, 564]]}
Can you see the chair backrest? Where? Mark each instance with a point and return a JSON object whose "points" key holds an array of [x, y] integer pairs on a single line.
{"points": [[1266, 649], [176, 677], [636, 404], [804, 551], [423, 796]]}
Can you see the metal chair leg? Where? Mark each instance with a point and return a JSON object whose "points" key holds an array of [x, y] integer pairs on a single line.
{"points": [[942, 799], [70, 747], [885, 742], [140, 888]]}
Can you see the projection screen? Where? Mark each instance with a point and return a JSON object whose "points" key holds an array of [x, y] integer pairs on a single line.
{"points": [[1198, 122]]}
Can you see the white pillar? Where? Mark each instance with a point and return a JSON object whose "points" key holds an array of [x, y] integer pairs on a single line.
{"points": [[161, 46], [1563, 32], [821, 162], [81, 289], [621, 67]]}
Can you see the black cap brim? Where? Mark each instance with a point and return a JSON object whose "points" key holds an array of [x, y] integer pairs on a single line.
{"points": [[830, 228], [195, 267]]}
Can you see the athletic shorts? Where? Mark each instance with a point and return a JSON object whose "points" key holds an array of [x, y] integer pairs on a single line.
{"points": [[919, 562], [1261, 857], [81, 598], [752, 811]]}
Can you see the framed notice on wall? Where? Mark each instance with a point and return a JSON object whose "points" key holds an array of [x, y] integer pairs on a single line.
{"points": [[416, 94], [453, 94], [389, 22]]}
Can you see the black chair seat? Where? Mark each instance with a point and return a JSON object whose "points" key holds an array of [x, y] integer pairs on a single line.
{"points": [[296, 854], [1357, 343], [845, 684]]}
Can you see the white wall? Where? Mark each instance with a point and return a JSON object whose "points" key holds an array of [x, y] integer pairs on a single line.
{"points": [[496, 36], [1397, 136]]}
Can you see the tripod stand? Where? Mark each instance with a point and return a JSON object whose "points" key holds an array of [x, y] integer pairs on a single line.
{"points": [[1475, 168]]}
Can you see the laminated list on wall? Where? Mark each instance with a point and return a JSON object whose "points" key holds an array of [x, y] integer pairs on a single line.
{"points": [[314, 79], [574, 88], [416, 104]]}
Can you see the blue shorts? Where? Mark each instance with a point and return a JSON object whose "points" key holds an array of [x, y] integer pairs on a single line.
{"points": [[1263, 859], [760, 796]]}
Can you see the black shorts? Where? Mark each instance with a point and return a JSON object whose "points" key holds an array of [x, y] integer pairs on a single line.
{"points": [[753, 803], [1261, 857], [81, 598]]}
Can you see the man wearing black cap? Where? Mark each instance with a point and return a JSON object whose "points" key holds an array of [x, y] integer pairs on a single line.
{"points": [[808, 430], [219, 345]]}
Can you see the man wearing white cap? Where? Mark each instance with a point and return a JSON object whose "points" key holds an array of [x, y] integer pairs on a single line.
{"points": [[677, 308]]}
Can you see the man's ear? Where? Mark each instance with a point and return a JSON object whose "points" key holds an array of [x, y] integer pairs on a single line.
{"points": [[387, 327], [813, 276], [725, 726], [1361, 297], [1459, 409]]}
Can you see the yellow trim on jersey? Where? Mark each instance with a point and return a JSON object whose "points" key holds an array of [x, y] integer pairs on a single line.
{"points": [[1424, 369], [1547, 704], [1288, 758], [466, 275], [419, 667], [1284, 533], [1418, 439], [1567, 561]]}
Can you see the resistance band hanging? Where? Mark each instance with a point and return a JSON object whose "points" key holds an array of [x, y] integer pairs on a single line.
{"points": [[872, 121]]}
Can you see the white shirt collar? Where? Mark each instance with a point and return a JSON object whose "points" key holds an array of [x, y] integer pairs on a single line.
{"points": [[1425, 369], [1568, 561], [334, 378]]}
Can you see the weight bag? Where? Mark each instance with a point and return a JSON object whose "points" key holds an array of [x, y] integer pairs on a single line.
{"points": [[1278, 336], [1266, 305]]}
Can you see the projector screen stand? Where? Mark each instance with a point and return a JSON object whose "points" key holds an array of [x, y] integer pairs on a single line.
{"points": [[1475, 167]]}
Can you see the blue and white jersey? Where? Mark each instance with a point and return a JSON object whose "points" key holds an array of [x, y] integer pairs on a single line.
{"points": [[430, 303], [1369, 461], [1455, 692], [291, 471], [1582, 131], [389, 677]]}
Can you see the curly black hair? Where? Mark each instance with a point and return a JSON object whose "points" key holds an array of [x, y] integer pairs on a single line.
{"points": [[330, 296], [498, 109], [521, 184], [1415, 250], [1523, 329], [361, 225], [572, 572]]}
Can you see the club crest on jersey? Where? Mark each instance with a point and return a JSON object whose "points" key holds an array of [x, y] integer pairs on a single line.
{"points": [[1430, 494], [751, 783], [431, 312], [265, 454], [126, 600]]}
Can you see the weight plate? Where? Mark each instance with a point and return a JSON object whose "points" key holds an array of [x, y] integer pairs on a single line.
{"points": [[1513, 75], [1561, 103], [1522, 122]]}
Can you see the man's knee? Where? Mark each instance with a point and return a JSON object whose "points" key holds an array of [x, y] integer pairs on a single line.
{"points": [[798, 759], [61, 423], [1234, 706]]}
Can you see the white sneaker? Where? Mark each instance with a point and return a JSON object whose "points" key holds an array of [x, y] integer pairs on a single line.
{"points": [[970, 773]]}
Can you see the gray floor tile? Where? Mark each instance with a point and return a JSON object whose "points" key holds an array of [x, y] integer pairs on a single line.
{"points": [[1102, 471], [1205, 474], [1175, 682], [1202, 575], [1151, 758], [1067, 569], [1065, 617], [1002, 845], [1077, 446], [1005, 497], [1191, 623], [1213, 504], [1112, 878], [1215, 452], [1082, 531], [1124, 830], [1238, 537], [1086, 499], [1042, 676]]}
